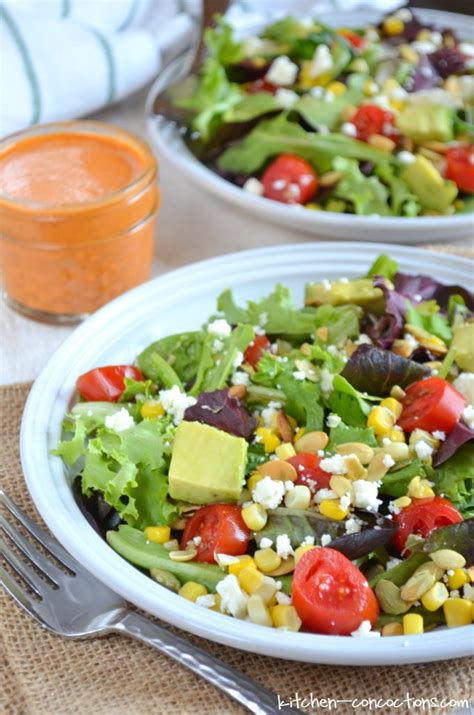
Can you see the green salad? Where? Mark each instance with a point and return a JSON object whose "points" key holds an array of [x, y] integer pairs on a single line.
{"points": [[299, 467], [373, 121]]}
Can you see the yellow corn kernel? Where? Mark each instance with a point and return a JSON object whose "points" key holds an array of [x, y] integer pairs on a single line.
{"points": [[393, 25], [158, 534], [370, 88], [241, 563], [270, 443], [258, 611], [392, 629], [301, 550], [267, 560], [250, 579], [307, 79], [435, 597], [192, 590], [409, 54], [252, 481], [152, 409], [397, 104], [285, 451], [397, 435], [285, 617], [254, 516], [457, 579], [402, 502], [337, 88], [267, 591], [263, 433], [458, 612], [412, 624], [299, 433], [331, 508], [298, 498], [420, 488], [381, 420], [393, 405]]}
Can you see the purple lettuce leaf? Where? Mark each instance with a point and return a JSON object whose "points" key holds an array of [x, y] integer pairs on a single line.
{"points": [[447, 61], [219, 409], [383, 330], [421, 288], [457, 437], [424, 76], [376, 371]]}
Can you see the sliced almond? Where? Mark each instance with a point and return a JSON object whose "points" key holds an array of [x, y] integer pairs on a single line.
{"points": [[448, 559], [322, 333], [305, 348], [238, 391], [438, 147], [426, 340], [330, 178], [341, 486], [279, 470], [283, 427], [377, 469], [183, 555], [402, 347], [312, 442], [361, 450], [382, 143], [355, 470], [421, 581], [388, 595], [286, 566]]}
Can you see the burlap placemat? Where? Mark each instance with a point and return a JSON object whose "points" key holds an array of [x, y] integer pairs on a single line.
{"points": [[46, 675]]}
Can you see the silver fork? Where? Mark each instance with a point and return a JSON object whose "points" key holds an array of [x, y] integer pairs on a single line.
{"points": [[77, 605]]}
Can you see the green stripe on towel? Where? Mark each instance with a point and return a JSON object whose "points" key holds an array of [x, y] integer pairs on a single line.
{"points": [[66, 8], [111, 69], [129, 17], [28, 64]]}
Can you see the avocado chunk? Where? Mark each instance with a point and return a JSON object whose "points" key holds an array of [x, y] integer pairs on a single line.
{"points": [[426, 182], [426, 122], [463, 341], [207, 464], [357, 292]]}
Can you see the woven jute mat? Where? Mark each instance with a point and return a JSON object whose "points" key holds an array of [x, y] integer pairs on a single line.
{"points": [[41, 674]]}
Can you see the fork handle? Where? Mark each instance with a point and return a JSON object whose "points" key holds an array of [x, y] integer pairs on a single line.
{"points": [[233, 683]]}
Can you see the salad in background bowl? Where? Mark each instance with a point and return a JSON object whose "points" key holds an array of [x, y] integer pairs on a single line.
{"points": [[353, 123], [300, 468]]}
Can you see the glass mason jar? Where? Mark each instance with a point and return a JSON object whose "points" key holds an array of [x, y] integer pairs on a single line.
{"points": [[78, 204]]}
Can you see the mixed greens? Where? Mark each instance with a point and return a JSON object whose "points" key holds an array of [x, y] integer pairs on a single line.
{"points": [[302, 467], [369, 121]]}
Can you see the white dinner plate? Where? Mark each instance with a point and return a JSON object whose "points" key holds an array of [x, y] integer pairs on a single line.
{"points": [[183, 300], [168, 142]]}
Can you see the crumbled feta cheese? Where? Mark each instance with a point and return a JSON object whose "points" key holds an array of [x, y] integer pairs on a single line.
{"points": [[258, 330], [388, 461], [326, 539], [207, 601], [285, 98], [197, 540], [406, 157], [345, 501], [468, 416], [465, 385], [353, 525], [253, 186], [308, 541], [320, 452], [323, 494], [317, 92], [265, 543], [467, 48], [283, 546], [299, 375], [392, 562], [423, 449], [413, 343], [454, 594], [238, 360], [349, 129], [438, 434], [225, 560], [263, 319], [333, 420], [425, 47], [282, 71], [282, 599], [269, 493], [363, 339], [365, 631], [217, 345], [393, 508], [233, 599], [220, 327], [240, 378], [119, 421], [289, 485], [269, 413], [327, 380], [386, 441], [334, 465], [322, 61], [468, 592], [365, 495], [175, 402], [321, 128]]}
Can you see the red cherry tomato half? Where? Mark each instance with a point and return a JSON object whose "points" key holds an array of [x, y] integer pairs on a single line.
{"points": [[259, 345], [290, 180], [422, 517], [309, 472], [460, 167], [356, 40], [106, 384], [370, 119], [260, 85], [221, 530], [330, 594], [431, 404]]}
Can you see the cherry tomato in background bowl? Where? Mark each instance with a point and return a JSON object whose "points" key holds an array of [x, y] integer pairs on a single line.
{"points": [[309, 472], [106, 384], [422, 517], [259, 345], [221, 530], [460, 167], [290, 180], [431, 404], [330, 594]]}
